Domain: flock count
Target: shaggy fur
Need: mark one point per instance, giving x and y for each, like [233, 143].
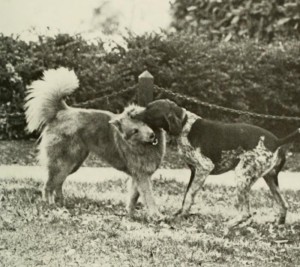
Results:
[211, 147]
[70, 134]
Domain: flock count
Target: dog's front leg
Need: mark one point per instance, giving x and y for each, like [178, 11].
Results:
[195, 187]
[201, 167]
[145, 189]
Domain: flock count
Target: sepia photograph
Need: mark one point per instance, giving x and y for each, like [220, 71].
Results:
[149, 133]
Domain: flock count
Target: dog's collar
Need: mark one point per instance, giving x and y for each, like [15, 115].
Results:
[188, 121]
[185, 119]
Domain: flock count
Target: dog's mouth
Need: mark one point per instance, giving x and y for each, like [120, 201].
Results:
[155, 141]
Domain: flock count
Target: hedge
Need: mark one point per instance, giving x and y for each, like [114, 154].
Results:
[246, 75]
[265, 20]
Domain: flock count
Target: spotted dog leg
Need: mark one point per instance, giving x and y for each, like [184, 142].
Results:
[245, 178]
[253, 164]
[201, 167]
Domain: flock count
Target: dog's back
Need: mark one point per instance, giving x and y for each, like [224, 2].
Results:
[227, 136]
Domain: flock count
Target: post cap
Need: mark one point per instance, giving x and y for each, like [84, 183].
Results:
[146, 74]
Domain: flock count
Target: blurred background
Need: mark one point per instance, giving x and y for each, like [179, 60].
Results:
[92, 18]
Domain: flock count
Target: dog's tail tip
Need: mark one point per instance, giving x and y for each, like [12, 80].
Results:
[58, 83]
[45, 96]
[290, 138]
[61, 79]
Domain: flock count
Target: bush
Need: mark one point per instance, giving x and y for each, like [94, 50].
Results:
[237, 19]
[246, 75]
[21, 63]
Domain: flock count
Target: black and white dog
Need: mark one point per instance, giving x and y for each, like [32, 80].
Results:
[212, 147]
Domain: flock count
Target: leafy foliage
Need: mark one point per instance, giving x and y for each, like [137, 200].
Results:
[21, 63]
[246, 75]
[236, 19]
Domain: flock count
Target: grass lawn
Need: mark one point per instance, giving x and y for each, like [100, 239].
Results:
[93, 229]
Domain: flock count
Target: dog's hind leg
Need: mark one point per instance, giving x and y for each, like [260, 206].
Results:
[253, 164]
[57, 173]
[133, 197]
[63, 159]
[52, 188]
[272, 181]
[247, 173]
[244, 184]
[67, 169]
[49, 186]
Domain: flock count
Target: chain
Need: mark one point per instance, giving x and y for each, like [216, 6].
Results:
[82, 104]
[103, 98]
[99, 93]
[224, 109]
[182, 97]
[12, 115]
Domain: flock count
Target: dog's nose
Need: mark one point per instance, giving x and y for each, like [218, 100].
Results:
[152, 136]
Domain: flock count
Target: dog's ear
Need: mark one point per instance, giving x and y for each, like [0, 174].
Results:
[139, 116]
[115, 122]
[174, 123]
[175, 119]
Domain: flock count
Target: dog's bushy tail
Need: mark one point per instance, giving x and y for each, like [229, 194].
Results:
[45, 96]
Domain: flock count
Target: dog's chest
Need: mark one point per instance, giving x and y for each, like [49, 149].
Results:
[194, 156]
[225, 160]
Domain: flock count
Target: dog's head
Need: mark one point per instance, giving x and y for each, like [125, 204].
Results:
[132, 130]
[164, 114]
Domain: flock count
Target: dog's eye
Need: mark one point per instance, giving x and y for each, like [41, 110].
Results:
[134, 131]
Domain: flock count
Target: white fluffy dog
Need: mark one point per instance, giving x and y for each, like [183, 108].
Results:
[70, 134]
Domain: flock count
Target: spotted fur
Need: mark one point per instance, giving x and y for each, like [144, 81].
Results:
[213, 147]
[249, 166]
[229, 159]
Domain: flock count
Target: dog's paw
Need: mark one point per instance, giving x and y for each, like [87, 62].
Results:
[181, 214]
[178, 213]
[281, 220]
[157, 216]
[238, 220]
